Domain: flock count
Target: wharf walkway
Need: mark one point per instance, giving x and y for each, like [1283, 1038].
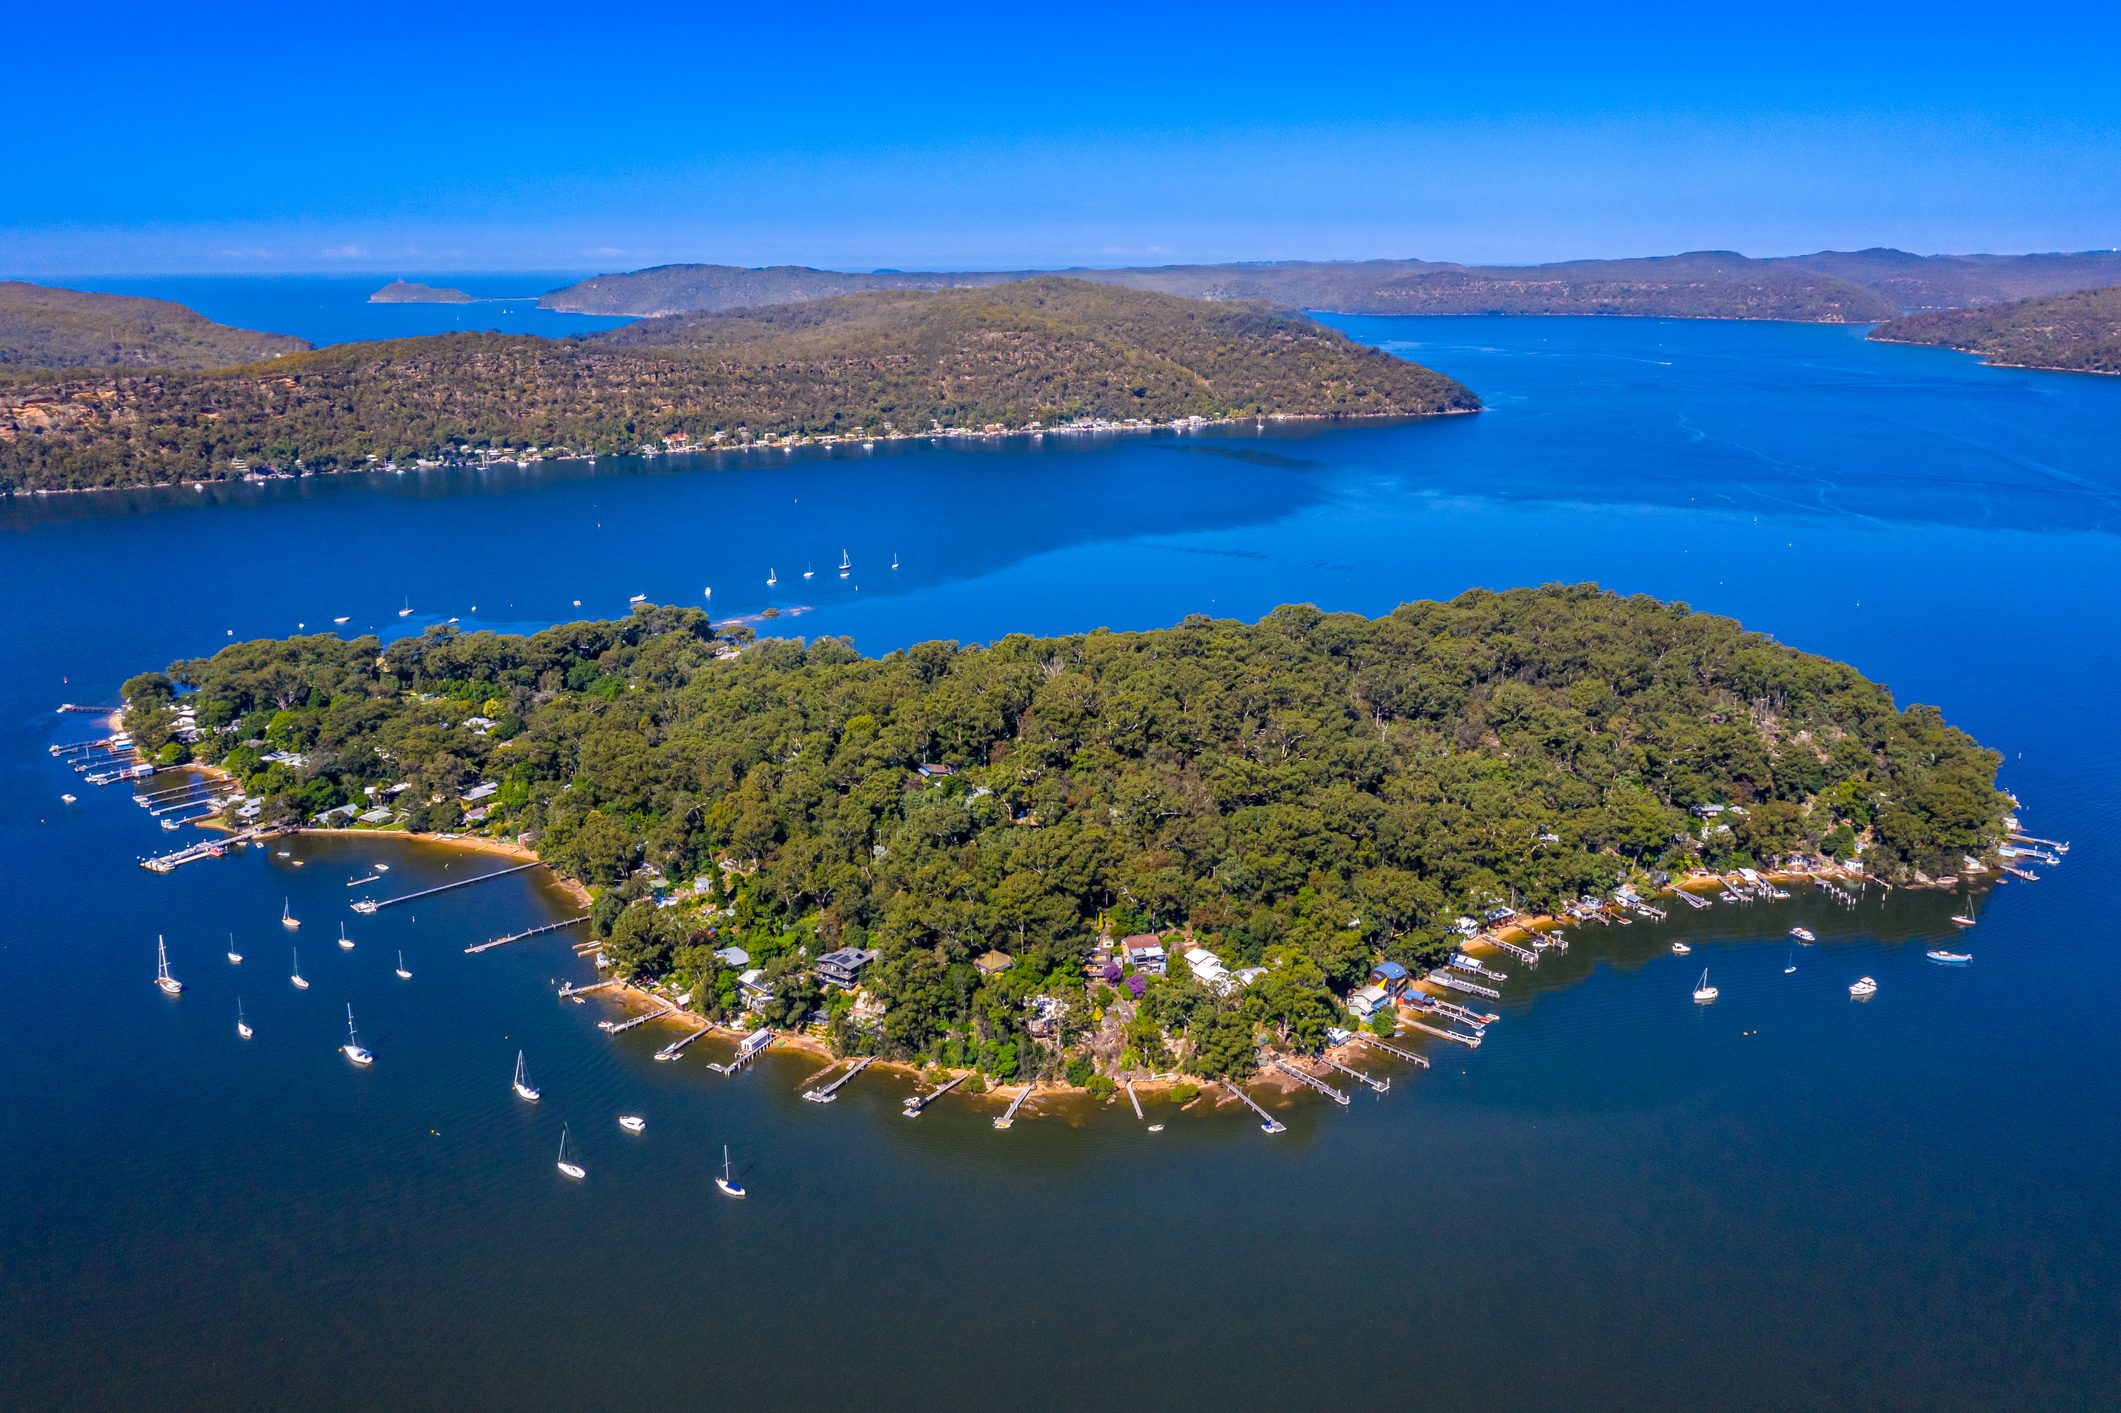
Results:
[370, 905]
[1307, 1077]
[621, 1027]
[1379, 1085]
[1523, 954]
[917, 1102]
[1267, 1121]
[1390, 1049]
[1009, 1115]
[1133, 1099]
[1456, 983]
[1471, 1042]
[831, 1091]
[670, 1051]
[570, 989]
[519, 936]
[750, 1048]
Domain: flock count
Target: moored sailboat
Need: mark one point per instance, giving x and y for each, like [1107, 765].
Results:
[235, 958]
[296, 975]
[727, 1181]
[567, 1165]
[242, 1025]
[1703, 992]
[524, 1088]
[353, 1049]
[345, 942]
[169, 984]
[288, 919]
[403, 975]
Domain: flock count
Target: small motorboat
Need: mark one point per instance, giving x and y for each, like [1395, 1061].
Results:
[1703, 992]
[341, 618]
[1862, 987]
[403, 975]
[1803, 934]
[296, 975]
[633, 1123]
[66, 799]
[1939, 954]
[380, 868]
[169, 984]
[638, 598]
[1680, 949]
[727, 1181]
[1156, 1128]
[525, 1090]
[242, 1025]
[353, 1049]
[568, 1166]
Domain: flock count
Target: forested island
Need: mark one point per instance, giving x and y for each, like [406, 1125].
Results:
[413, 292]
[1827, 287]
[1035, 354]
[2073, 333]
[45, 327]
[968, 832]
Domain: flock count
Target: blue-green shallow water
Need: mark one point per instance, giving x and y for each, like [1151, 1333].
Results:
[1783, 1200]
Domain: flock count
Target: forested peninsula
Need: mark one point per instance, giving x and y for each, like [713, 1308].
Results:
[1035, 354]
[413, 292]
[2072, 333]
[975, 827]
[1830, 286]
[45, 327]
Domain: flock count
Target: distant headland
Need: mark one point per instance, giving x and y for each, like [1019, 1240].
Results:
[413, 292]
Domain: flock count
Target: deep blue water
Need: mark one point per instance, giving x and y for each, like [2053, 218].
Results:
[1784, 1200]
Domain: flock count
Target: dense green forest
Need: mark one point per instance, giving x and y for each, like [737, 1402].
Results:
[413, 292]
[1042, 351]
[44, 327]
[1308, 793]
[2078, 333]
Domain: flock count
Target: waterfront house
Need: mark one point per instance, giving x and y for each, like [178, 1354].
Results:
[1245, 976]
[1144, 951]
[1367, 1002]
[1391, 976]
[1208, 969]
[753, 988]
[843, 968]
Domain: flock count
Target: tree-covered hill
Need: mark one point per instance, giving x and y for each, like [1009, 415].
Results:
[1041, 351]
[45, 327]
[2079, 333]
[1309, 793]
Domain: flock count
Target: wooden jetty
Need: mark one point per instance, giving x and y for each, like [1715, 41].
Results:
[570, 989]
[670, 1051]
[2060, 846]
[1390, 1049]
[1459, 983]
[1009, 1115]
[1471, 1017]
[750, 1048]
[370, 905]
[1306, 1077]
[1471, 1042]
[1379, 1085]
[1266, 1120]
[917, 1102]
[1133, 1099]
[1523, 954]
[831, 1091]
[519, 936]
[2025, 873]
[1689, 899]
[1465, 963]
[621, 1027]
[91, 710]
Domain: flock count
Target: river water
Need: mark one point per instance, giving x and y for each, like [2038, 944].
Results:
[1782, 1200]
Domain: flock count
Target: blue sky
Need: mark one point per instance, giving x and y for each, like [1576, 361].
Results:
[397, 138]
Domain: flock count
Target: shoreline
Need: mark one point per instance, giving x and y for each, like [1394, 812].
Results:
[1988, 361]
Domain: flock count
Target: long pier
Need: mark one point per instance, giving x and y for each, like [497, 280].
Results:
[1457, 1012]
[1523, 954]
[1135, 1101]
[91, 710]
[1266, 1120]
[1009, 1115]
[917, 1102]
[570, 989]
[1308, 1078]
[670, 1051]
[519, 936]
[1471, 1042]
[1390, 1049]
[831, 1091]
[370, 905]
[621, 1027]
[1379, 1085]
[1689, 899]
[747, 1050]
[1456, 983]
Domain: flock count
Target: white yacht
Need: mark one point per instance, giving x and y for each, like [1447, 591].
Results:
[1703, 992]
[846, 565]
[807, 572]
[235, 958]
[632, 1123]
[1965, 919]
[638, 598]
[288, 919]
[727, 1181]
[1941, 954]
[524, 1088]
[345, 942]
[296, 975]
[1803, 934]
[242, 1025]
[403, 975]
[572, 1169]
[1680, 949]
[771, 577]
[406, 612]
[341, 618]
[353, 1048]
[1863, 986]
[169, 984]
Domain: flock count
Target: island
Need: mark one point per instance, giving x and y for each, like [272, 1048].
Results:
[1828, 287]
[45, 327]
[1037, 355]
[2072, 333]
[413, 292]
[1102, 856]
